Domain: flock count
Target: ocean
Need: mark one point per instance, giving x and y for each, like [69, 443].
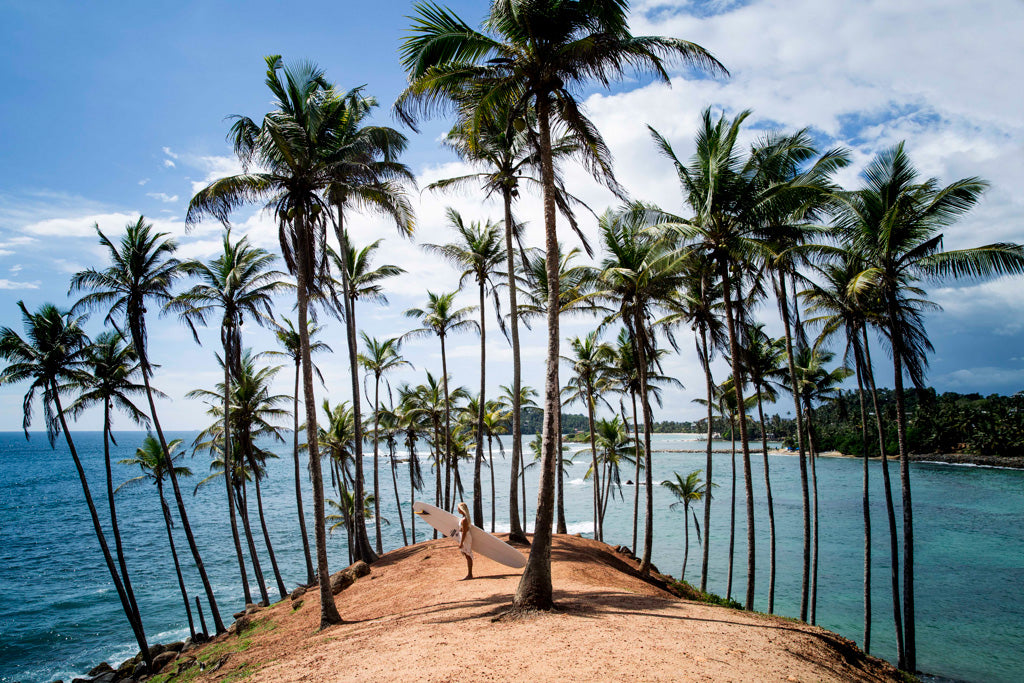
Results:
[62, 615]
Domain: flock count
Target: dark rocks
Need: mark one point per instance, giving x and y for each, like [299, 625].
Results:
[298, 593]
[359, 569]
[163, 659]
[100, 668]
[155, 650]
[346, 577]
[241, 623]
[177, 646]
[140, 670]
[105, 677]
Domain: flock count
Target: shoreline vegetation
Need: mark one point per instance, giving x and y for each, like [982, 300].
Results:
[763, 229]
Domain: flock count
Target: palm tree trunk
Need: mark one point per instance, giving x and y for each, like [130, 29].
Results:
[298, 483]
[909, 638]
[398, 501]
[118, 547]
[732, 506]
[218, 624]
[559, 483]
[894, 564]
[598, 535]
[478, 498]
[437, 467]
[641, 344]
[686, 541]
[229, 475]
[748, 480]
[771, 506]
[781, 293]
[865, 501]
[515, 528]
[709, 385]
[522, 477]
[376, 458]
[447, 428]
[636, 480]
[257, 569]
[534, 590]
[282, 591]
[136, 624]
[174, 554]
[328, 610]
[490, 460]
[813, 456]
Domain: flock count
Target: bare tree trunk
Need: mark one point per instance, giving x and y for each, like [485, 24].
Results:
[243, 510]
[732, 506]
[706, 362]
[515, 528]
[478, 497]
[560, 482]
[640, 347]
[450, 463]
[229, 472]
[298, 482]
[865, 500]
[598, 532]
[534, 590]
[174, 554]
[812, 454]
[328, 610]
[636, 480]
[437, 467]
[398, 502]
[376, 461]
[771, 506]
[490, 459]
[281, 589]
[136, 624]
[781, 293]
[686, 540]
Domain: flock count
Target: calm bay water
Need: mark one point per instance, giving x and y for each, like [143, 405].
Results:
[62, 615]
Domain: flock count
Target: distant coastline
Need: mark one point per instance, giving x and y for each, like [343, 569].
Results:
[962, 459]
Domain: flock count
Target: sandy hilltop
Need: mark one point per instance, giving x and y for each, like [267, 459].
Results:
[411, 619]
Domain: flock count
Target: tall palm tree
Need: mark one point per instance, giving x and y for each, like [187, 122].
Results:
[510, 160]
[411, 419]
[380, 358]
[291, 348]
[109, 380]
[151, 460]
[534, 55]
[51, 357]
[639, 273]
[237, 285]
[525, 400]
[478, 251]
[687, 491]
[142, 268]
[292, 149]
[589, 361]
[364, 175]
[895, 223]
[616, 450]
[440, 318]
[496, 423]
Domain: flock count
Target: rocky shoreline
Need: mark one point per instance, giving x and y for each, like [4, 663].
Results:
[963, 459]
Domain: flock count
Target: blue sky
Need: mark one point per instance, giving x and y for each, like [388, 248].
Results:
[112, 109]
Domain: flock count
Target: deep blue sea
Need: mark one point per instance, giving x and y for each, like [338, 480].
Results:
[62, 615]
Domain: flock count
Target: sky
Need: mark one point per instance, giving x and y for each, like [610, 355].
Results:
[112, 110]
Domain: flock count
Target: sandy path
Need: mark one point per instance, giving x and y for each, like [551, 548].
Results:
[412, 620]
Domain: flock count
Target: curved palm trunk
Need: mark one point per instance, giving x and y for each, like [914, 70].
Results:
[909, 638]
[478, 497]
[243, 511]
[894, 564]
[376, 458]
[859, 362]
[748, 480]
[490, 459]
[282, 591]
[229, 471]
[598, 532]
[515, 528]
[174, 554]
[686, 540]
[218, 624]
[771, 506]
[522, 477]
[636, 480]
[298, 483]
[118, 547]
[732, 506]
[709, 385]
[328, 610]
[641, 345]
[559, 482]
[534, 590]
[361, 544]
[437, 466]
[812, 454]
[136, 624]
[781, 293]
[398, 501]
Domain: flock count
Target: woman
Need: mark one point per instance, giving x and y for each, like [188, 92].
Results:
[465, 538]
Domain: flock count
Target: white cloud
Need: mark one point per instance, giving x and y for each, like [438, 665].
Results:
[143, 181]
[163, 196]
[168, 152]
[11, 284]
[168, 163]
[15, 269]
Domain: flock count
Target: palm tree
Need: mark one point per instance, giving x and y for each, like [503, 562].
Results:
[639, 273]
[534, 56]
[410, 419]
[895, 222]
[510, 160]
[616, 449]
[686, 491]
[110, 366]
[380, 358]
[525, 400]
[364, 174]
[440, 317]
[292, 148]
[150, 459]
[496, 422]
[288, 338]
[479, 253]
[589, 362]
[142, 268]
[51, 357]
[238, 284]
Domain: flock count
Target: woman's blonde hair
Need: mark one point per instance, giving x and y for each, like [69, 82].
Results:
[464, 509]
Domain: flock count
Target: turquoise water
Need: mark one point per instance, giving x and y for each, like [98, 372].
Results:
[62, 615]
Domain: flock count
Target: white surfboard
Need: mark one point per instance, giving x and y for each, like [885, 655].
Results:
[483, 542]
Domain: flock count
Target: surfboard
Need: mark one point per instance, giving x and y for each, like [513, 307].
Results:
[483, 543]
